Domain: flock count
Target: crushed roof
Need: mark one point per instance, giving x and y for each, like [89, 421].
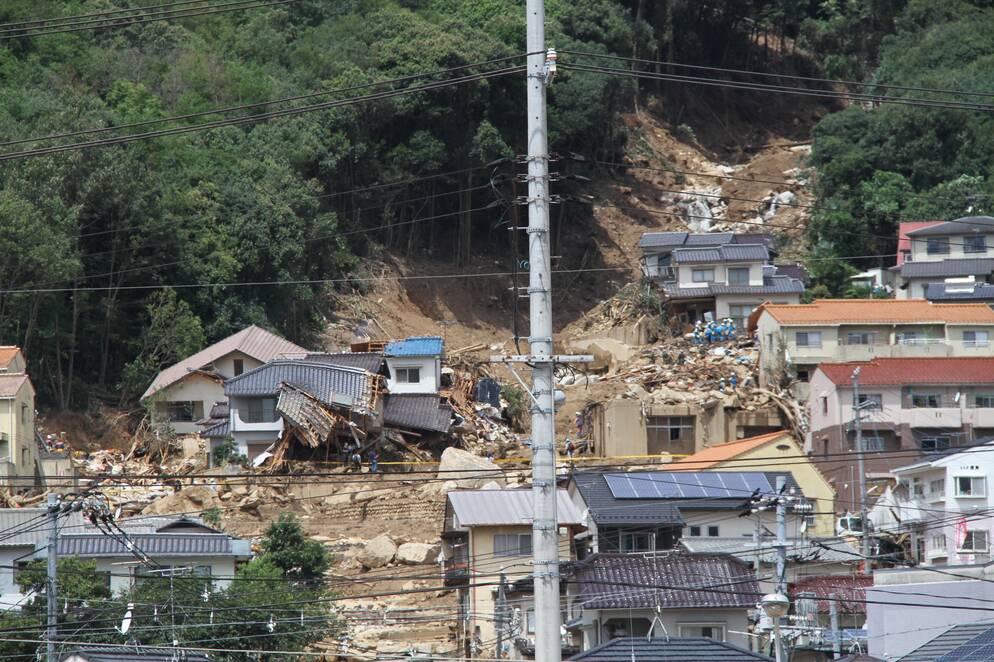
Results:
[835, 312]
[668, 649]
[949, 641]
[10, 384]
[964, 225]
[331, 384]
[253, 341]
[421, 412]
[970, 266]
[671, 580]
[905, 371]
[715, 455]
[506, 507]
[944, 292]
[368, 361]
[904, 241]
[850, 591]
[415, 346]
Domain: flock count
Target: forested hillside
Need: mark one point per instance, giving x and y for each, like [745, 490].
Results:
[119, 258]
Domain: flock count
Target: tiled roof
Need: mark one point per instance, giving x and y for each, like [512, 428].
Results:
[715, 455]
[604, 508]
[953, 370]
[726, 253]
[421, 412]
[415, 346]
[971, 266]
[505, 507]
[252, 341]
[833, 312]
[943, 292]
[850, 591]
[11, 384]
[798, 550]
[796, 271]
[668, 649]
[19, 522]
[964, 225]
[368, 361]
[903, 241]
[330, 384]
[949, 641]
[774, 285]
[7, 354]
[671, 580]
[659, 239]
[218, 430]
[132, 654]
[162, 544]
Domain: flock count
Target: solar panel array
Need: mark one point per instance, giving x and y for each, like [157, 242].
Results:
[978, 649]
[688, 484]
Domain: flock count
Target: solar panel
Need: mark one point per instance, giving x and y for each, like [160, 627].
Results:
[687, 484]
[978, 648]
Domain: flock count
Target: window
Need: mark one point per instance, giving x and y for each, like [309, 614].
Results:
[712, 532]
[670, 434]
[872, 442]
[875, 400]
[975, 540]
[975, 243]
[714, 631]
[937, 488]
[695, 532]
[926, 400]
[983, 400]
[910, 338]
[636, 542]
[975, 338]
[971, 486]
[408, 375]
[184, 411]
[24, 414]
[808, 338]
[861, 338]
[937, 246]
[935, 443]
[259, 410]
[824, 405]
[917, 487]
[937, 542]
[740, 315]
[738, 275]
[702, 275]
[803, 375]
[530, 620]
[513, 544]
[239, 366]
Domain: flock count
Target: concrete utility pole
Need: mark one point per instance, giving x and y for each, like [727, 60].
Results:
[545, 526]
[500, 615]
[861, 468]
[50, 589]
[781, 554]
[833, 611]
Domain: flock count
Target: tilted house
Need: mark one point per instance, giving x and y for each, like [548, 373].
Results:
[184, 393]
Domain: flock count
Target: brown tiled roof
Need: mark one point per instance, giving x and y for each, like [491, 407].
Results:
[252, 341]
[904, 241]
[895, 372]
[11, 384]
[710, 457]
[832, 312]
[7, 354]
[850, 591]
[676, 580]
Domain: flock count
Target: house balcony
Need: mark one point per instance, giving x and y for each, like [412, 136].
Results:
[244, 421]
[455, 572]
[941, 417]
[979, 417]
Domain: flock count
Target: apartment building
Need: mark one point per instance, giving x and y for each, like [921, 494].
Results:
[939, 252]
[722, 274]
[915, 405]
[794, 339]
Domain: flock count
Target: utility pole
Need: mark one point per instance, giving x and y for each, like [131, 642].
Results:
[50, 589]
[833, 611]
[861, 468]
[781, 554]
[500, 615]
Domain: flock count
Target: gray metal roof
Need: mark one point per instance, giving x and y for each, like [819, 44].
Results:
[973, 266]
[421, 412]
[132, 654]
[721, 254]
[26, 527]
[672, 580]
[152, 544]
[668, 649]
[604, 508]
[948, 641]
[798, 550]
[331, 384]
[775, 285]
[942, 292]
[964, 225]
[675, 239]
[505, 507]
[368, 361]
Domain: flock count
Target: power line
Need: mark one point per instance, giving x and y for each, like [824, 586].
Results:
[4, 27]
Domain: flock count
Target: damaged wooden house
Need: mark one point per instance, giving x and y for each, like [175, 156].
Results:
[315, 405]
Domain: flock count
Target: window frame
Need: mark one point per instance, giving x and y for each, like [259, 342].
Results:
[660, 431]
[973, 549]
[695, 272]
[632, 536]
[738, 271]
[713, 531]
[238, 366]
[929, 399]
[937, 246]
[683, 627]
[976, 342]
[257, 410]
[937, 493]
[876, 398]
[512, 552]
[967, 248]
[959, 494]
[406, 372]
[693, 529]
[808, 339]
[937, 542]
[870, 336]
[937, 442]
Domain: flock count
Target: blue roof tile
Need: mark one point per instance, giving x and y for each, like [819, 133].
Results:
[415, 346]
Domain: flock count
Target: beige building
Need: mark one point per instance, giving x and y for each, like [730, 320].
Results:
[184, 393]
[487, 533]
[794, 339]
[939, 257]
[18, 447]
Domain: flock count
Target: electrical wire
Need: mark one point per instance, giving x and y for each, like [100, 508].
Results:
[5, 27]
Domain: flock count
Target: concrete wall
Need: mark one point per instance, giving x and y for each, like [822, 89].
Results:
[10, 592]
[195, 387]
[430, 374]
[596, 631]
[20, 451]
[120, 581]
[685, 274]
[919, 249]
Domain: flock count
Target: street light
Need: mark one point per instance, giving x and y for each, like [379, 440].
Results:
[775, 605]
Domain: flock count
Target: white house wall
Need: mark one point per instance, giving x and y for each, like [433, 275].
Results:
[430, 374]
[192, 388]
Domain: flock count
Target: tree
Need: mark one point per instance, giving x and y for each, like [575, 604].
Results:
[287, 548]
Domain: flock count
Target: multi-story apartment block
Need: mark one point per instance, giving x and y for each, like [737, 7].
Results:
[937, 255]
[794, 339]
[724, 274]
[908, 407]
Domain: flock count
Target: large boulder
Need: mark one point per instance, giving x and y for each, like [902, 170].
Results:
[417, 553]
[377, 552]
[197, 498]
[467, 470]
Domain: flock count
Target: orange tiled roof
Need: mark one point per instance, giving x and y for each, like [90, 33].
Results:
[7, 354]
[710, 457]
[879, 311]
